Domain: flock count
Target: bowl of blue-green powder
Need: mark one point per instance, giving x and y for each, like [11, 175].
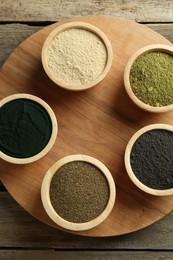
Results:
[28, 128]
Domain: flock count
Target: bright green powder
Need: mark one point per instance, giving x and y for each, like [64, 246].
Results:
[151, 78]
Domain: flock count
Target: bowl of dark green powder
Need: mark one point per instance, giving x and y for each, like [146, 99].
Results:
[28, 128]
[149, 159]
[148, 78]
[78, 192]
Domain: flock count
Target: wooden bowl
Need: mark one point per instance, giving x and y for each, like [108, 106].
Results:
[66, 27]
[45, 193]
[149, 48]
[53, 134]
[135, 180]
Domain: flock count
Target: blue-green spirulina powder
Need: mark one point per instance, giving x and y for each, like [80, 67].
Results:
[25, 128]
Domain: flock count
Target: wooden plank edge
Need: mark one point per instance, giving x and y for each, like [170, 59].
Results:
[77, 255]
[32, 233]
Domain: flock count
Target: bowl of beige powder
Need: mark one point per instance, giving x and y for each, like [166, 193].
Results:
[77, 56]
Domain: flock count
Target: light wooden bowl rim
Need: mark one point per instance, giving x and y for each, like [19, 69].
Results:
[53, 134]
[129, 170]
[149, 48]
[45, 196]
[85, 26]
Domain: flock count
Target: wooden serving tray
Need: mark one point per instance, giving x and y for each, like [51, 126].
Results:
[98, 122]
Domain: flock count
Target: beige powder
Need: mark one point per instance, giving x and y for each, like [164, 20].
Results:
[77, 56]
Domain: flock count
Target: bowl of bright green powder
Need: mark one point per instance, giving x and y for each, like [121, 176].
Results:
[148, 78]
[28, 128]
[78, 192]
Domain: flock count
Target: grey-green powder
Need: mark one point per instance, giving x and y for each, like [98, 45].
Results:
[79, 192]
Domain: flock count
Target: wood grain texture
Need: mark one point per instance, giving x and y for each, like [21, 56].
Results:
[2, 187]
[20, 230]
[106, 126]
[11, 35]
[164, 29]
[87, 255]
[53, 10]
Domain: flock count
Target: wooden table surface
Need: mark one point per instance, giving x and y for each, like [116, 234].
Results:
[22, 236]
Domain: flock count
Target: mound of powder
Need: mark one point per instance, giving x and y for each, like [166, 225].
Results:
[77, 56]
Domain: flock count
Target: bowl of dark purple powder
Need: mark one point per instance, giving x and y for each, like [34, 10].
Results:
[149, 159]
[28, 128]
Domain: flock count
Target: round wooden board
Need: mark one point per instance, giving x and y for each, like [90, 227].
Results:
[98, 122]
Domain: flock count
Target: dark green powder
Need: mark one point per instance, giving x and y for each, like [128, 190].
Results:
[79, 192]
[25, 128]
[151, 78]
[152, 159]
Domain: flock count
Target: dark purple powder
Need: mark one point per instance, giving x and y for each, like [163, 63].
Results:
[152, 159]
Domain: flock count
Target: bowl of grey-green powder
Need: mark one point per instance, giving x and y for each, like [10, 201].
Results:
[78, 192]
[148, 78]
[77, 55]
